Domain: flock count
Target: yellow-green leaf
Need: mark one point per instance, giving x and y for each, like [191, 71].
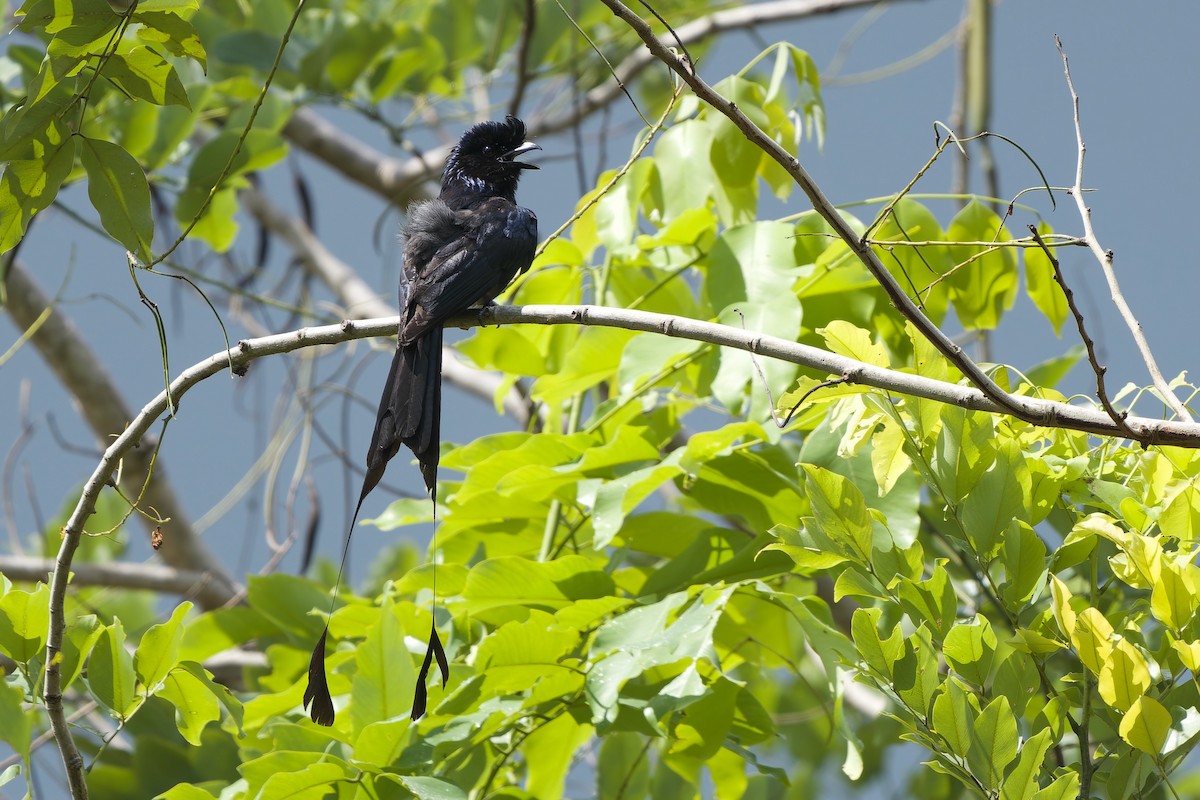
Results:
[1092, 639]
[1124, 677]
[1146, 725]
[852, 341]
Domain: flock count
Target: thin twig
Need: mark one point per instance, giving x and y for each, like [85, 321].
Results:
[1105, 257]
[1101, 392]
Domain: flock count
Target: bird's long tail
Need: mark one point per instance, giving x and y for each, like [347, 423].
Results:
[410, 413]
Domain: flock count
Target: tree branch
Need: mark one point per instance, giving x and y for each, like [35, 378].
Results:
[1055, 414]
[1105, 257]
[122, 575]
[1093, 359]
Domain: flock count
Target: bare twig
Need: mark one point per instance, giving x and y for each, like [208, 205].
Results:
[1105, 257]
[1101, 392]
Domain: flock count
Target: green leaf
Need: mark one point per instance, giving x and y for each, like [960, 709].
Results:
[1043, 289]
[110, 671]
[432, 788]
[16, 725]
[118, 190]
[965, 449]
[985, 288]
[1092, 638]
[1024, 555]
[383, 686]
[380, 744]
[313, 782]
[29, 130]
[1050, 373]
[1064, 787]
[930, 601]
[24, 620]
[616, 498]
[225, 697]
[195, 705]
[881, 654]
[171, 31]
[954, 718]
[288, 601]
[158, 652]
[185, 791]
[29, 186]
[616, 213]
[1021, 783]
[623, 768]
[993, 742]
[82, 635]
[840, 511]
[1146, 725]
[969, 649]
[1124, 677]
[10, 774]
[916, 675]
[672, 630]
[1181, 518]
[1000, 497]
[223, 628]
[549, 751]
[146, 75]
[755, 262]
[79, 27]
[595, 357]
[681, 156]
[259, 150]
[520, 653]
[512, 581]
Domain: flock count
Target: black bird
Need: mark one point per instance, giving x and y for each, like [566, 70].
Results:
[461, 250]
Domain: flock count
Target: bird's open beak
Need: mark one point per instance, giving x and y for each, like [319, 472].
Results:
[527, 147]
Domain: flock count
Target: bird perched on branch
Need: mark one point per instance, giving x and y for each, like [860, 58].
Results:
[461, 250]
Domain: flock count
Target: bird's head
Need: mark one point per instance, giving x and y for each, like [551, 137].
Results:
[484, 162]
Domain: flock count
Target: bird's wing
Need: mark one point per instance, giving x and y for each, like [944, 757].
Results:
[495, 242]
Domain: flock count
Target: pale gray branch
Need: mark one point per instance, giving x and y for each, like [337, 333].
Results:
[118, 574]
[1105, 257]
[1043, 412]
